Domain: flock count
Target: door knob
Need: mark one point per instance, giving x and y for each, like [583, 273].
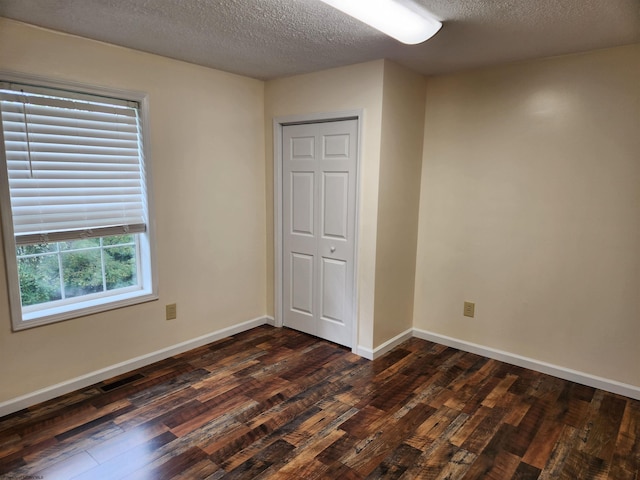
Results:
[333, 249]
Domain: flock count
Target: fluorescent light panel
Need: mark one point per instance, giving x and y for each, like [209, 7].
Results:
[407, 25]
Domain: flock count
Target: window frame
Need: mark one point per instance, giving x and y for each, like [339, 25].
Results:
[21, 320]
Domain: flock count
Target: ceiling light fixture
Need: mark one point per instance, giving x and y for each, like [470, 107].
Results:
[403, 20]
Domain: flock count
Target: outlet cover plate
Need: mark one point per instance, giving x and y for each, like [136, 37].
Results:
[469, 309]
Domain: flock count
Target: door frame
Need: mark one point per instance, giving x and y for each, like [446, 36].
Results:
[278, 124]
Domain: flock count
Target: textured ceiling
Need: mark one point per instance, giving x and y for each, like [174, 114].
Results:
[274, 38]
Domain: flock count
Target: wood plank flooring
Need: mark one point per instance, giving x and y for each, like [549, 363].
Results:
[275, 403]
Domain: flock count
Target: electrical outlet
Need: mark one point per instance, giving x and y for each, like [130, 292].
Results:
[172, 311]
[469, 309]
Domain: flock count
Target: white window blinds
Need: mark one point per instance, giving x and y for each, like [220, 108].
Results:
[74, 163]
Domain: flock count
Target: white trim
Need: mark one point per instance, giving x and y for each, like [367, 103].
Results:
[380, 350]
[6, 217]
[277, 219]
[148, 246]
[15, 404]
[47, 393]
[583, 378]
[102, 303]
[71, 85]
[278, 123]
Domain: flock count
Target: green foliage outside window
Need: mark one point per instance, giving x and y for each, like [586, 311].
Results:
[120, 267]
[54, 271]
[39, 279]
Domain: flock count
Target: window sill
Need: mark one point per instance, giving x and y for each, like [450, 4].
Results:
[66, 312]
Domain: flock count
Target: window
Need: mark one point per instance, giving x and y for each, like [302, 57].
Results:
[75, 209]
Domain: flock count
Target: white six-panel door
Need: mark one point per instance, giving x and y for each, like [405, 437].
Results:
[318, 201]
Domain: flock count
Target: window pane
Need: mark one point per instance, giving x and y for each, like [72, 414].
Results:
[120, 267]
[84, 243]
[118, 240]
[82, 272]
[39, 279]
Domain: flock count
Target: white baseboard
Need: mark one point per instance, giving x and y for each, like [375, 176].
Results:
[44, 394]
[24, 401]
[372, 354]
[612, 386]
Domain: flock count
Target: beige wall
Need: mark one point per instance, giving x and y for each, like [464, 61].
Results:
[207, 159]
[347, 88]
[530, 207]
[398, 200]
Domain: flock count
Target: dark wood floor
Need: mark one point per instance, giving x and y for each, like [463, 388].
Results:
[275, 403]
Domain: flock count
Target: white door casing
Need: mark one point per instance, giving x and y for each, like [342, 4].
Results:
[319, 179]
